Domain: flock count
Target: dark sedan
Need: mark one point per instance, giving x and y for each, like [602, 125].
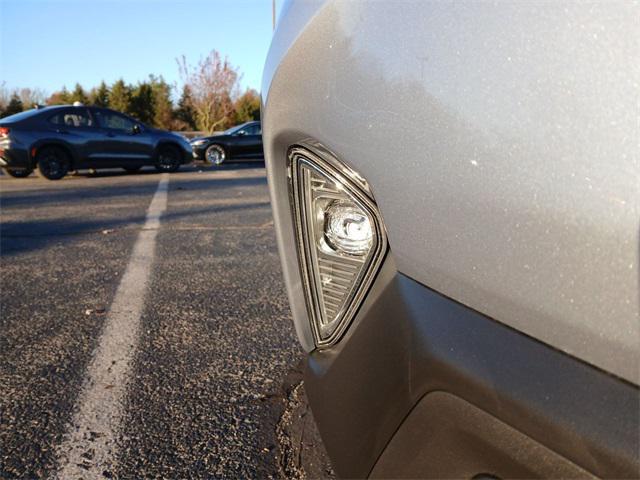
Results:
[58, 139]
[239, 143]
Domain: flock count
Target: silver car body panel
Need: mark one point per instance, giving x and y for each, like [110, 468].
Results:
[501, 142]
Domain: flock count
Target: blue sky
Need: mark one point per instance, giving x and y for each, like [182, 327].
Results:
[51, 43]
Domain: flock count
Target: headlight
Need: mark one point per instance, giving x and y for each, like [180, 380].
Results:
[341, 240]
[197, 143]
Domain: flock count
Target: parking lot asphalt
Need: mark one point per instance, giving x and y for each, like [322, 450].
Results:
[214, 360]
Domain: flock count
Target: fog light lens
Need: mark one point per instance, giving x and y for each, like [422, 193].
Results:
[347, 228]
[341, 240]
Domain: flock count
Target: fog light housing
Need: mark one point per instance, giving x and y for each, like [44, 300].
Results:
[340, 237]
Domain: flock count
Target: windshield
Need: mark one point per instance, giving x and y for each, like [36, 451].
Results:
[232, 130]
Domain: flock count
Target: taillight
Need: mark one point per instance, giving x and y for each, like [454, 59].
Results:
[4, 131]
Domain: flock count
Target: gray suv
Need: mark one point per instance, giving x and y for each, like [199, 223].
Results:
[456, 196]
[58, 139]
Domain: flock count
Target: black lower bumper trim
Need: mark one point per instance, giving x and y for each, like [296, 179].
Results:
[408, 341]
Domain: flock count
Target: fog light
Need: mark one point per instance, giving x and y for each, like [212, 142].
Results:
[347, 228]
[341, 240]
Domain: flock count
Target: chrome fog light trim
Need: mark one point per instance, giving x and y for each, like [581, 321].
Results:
[340, 238]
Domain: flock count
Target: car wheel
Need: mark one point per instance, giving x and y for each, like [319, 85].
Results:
[19, 172]
[168, 160]
[53, 163]
[132, 169]
[215, 154]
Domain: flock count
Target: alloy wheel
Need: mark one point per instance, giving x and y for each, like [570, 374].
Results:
[215, 154]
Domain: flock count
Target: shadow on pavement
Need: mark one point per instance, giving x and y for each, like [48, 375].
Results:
[25, 235]
[191, 167]
[42, 197]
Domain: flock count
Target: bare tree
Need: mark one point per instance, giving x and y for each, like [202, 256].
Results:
[31, 97]
[213, 86]
[4, 95]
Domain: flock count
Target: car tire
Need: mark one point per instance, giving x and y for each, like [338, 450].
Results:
[168, 159]
[132, 169]
[53, 163]
[215, 154]
[19, 172]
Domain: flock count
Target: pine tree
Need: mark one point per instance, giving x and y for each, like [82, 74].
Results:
[78, 95]
[185, 113]
[142, 106]
[65, 96]
[163, 106]
[14, 106]
[59, 98]
[100, 96]
[120, 97]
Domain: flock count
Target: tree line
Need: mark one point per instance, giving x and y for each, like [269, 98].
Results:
[209, 98]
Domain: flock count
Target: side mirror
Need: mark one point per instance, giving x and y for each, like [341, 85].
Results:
[136, 129]
[241, 133]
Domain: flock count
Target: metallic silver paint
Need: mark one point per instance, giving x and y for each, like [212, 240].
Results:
[501, 141]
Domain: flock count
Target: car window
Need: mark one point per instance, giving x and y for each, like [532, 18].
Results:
[232, 130]
[253, 130]
[114, 120]
[72, 118]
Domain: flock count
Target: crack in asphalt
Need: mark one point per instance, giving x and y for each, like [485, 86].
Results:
[287, 466]
[267, 225]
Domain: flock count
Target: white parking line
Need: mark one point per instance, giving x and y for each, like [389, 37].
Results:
[89, 447]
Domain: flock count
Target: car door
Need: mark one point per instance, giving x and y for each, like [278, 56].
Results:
[248, 142]
[255, 141]
[125, 142]
[76, 128]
